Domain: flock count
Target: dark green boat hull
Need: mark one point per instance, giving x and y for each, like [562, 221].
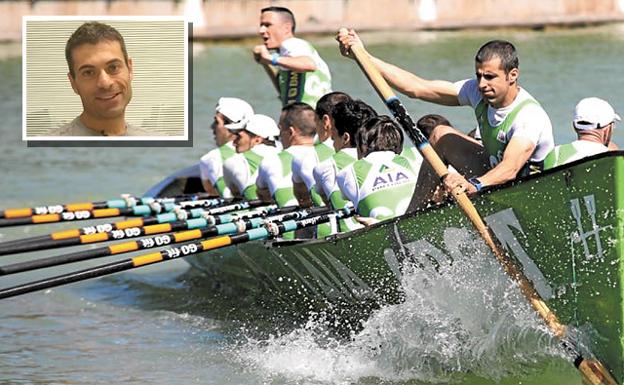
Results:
[565, 227]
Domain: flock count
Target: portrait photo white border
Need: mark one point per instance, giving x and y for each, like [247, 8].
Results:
[104, 19]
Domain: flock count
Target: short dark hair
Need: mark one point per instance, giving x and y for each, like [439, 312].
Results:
[428, 122]
[284, 12]
[92, 32]
[350, 115]
[300, 116]
[502, 49]
[327, 103]
[380, 133]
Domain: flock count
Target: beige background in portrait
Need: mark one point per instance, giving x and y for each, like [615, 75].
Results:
[157, 52]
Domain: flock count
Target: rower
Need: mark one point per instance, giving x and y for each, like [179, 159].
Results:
[297, 127]
[324, 115]
[302, 74]
[296, 131]
[230, 113]
[380, 184]
[594, 120]
[348, 117]
[515, 130]
[254, 142]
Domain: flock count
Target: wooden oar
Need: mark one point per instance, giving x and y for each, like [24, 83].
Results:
[227, 227]
[137, 227]
[275, 229]
[126, 201]
[591, 369]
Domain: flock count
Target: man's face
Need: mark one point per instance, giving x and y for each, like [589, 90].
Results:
[221, 134]
[245, 141]
[494, 84]
[273, 29]
[102, 79]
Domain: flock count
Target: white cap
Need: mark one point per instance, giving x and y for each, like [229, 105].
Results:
[262, 125]
[236, 110]
[591, 113]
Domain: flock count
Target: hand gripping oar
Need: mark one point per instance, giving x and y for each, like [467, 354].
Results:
[271, 230]
[126, 201]
[238, 224]
[120, 230]
[591, 369]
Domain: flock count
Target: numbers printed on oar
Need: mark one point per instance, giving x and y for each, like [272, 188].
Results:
[260, 233]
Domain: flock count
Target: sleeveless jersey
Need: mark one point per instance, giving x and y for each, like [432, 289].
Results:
[211, 167]
[241, 172]
[523, 118]
[380, 185]
[306, 87]
[570, 152]
[325, 182]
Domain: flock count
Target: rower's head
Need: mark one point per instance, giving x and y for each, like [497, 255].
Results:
[230, 114]
[427, 123]
[325, 112]
[259, 129]
[594, 120]
[349, 116]
[497, 72]
[297, 124]
[100, 71]
[379, 133]
[276, 25]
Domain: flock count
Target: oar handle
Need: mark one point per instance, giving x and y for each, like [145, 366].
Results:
[591, 369]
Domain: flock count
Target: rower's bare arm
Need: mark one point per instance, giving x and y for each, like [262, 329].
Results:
[209, 188]
[297, 63]
[434, 91]
[264, 194]
[516, 155]
[302, 194]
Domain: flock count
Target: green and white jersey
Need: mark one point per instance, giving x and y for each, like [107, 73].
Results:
[303, 165]
[306, 87]
[380, 185]
[241, 174]
[325, 182]
[570, 152]
[275, 173]
[211, 167]
[414, 158]
[524, 118]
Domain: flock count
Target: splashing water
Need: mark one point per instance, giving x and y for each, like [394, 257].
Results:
[466, 317]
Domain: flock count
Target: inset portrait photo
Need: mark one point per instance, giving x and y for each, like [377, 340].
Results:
[114, 79]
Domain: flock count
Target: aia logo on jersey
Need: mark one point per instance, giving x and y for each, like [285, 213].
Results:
[389, 178]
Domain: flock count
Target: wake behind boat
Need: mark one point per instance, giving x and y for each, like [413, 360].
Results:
[565, 228]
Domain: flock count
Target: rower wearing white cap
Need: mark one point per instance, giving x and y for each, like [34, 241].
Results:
[255, 142]
[230, 113]
[594, 120]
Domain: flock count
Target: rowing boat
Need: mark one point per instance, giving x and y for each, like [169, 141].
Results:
[565, 227]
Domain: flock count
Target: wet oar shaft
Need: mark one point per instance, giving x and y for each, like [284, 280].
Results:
[592, 370]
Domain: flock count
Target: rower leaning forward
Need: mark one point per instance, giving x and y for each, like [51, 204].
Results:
[302, 75]
[514, 132]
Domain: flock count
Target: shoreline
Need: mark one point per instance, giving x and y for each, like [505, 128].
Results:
[223, 20]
